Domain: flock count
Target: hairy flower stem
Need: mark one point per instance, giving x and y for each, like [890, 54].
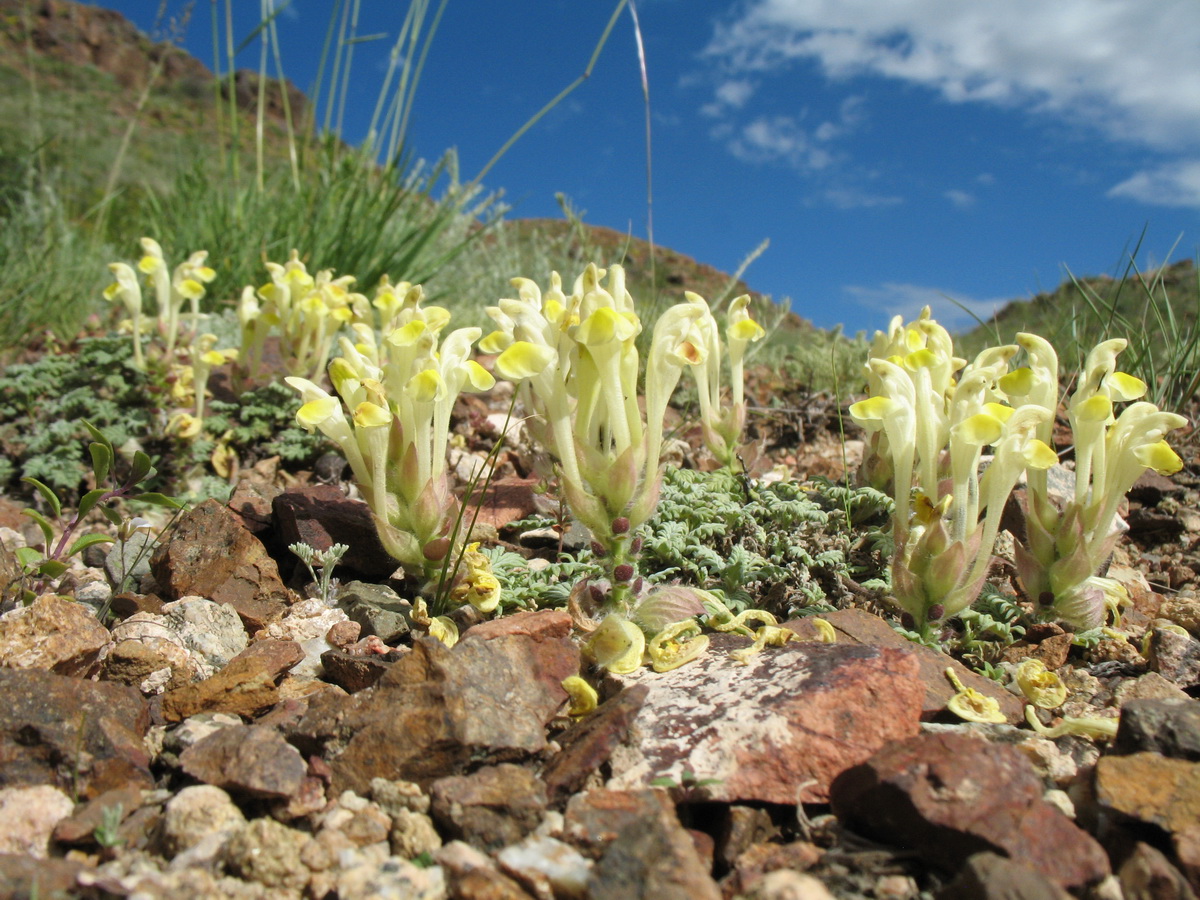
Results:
[621, 566]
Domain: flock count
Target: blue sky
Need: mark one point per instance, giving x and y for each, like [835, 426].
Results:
[894, 153]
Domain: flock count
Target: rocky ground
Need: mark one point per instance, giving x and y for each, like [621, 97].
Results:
[231, 736]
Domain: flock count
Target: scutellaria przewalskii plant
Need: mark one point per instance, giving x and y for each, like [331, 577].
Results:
[930, 415]
[575, 360]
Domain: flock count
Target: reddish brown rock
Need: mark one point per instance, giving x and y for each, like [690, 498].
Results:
[353, 672]
[860, 627]
[588, 744]
[23, 876]
[276, 656]
[1167, 726]
[133, 662]
[474, 876]
[128, 604]
[1151, 788]
[246, 759]
[320, 515]
[245, 687]
[251, 503]
[80, 827]
[762, 859]
[1146, 872]
[53, 633]
[937, 795]
[1175, 656]
[1186, 844]
[775, 731]
[489, 698]
[210, 554]
[506, 500]
[988, 876]
[490, 808]
[547, 633]
[651, 856]
[82, 736]
[594, 818]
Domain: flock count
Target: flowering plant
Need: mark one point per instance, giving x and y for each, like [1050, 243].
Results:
[576, 363]
[932, 429]
[1066, 544]
[927, 430]
[391, 417]
[171, 290]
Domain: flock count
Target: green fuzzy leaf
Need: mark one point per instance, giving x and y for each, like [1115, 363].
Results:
[52, 568]
[28, 557]
[157, 499]
[47, 494]
[43, 523]
[99, 436]
[89, 500]
[142, 468]
[101, 460]
[87, 541]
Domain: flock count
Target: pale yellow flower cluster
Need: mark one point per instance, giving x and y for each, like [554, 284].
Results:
[171, 290]
[1063, 548]
[390, 415]
[929, 417]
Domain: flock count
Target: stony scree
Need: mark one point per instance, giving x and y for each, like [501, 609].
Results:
[81, 736]
[52, 633]
[212, 555]
[935, 793]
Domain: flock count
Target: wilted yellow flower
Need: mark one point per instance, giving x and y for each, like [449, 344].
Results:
[583, 696]
[1091, 727]
[1039, 685]
[671, 647]
[971, 705]
[617, 645]
[765, 636]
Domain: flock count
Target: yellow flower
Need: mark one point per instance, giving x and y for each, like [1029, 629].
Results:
[1091, 727]
[1039, 685]
[127, 290]
[444, 630]
[765, 636]
[583, 696]
[669, 649]
[617, 645]
[972, 706]
[477, 585]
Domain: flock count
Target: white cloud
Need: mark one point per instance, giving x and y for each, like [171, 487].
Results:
[1173, 184]
[907, 300]
[778, 139]
[1125, 67]
[734, 93]
[844, 197]
[961, 199]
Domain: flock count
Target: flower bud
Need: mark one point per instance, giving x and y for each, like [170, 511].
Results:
[623, 573]
[598, 550]
[620, 525]
[936, 611]
[636, 545]
[436, 549]
[598, 594]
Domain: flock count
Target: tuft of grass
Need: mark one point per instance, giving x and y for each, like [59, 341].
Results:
[1156, 310]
